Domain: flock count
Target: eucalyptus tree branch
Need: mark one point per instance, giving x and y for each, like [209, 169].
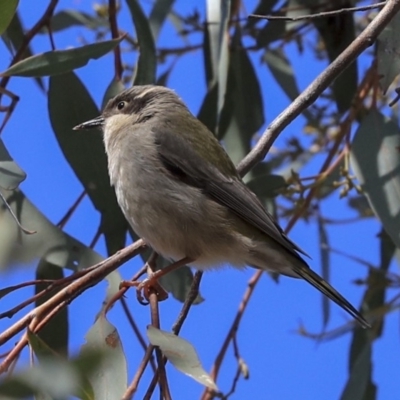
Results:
[39, 314]
[317, 87]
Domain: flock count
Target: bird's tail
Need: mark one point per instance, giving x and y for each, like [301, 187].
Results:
[314, 279]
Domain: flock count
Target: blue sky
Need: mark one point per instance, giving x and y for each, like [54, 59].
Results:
[283, 365]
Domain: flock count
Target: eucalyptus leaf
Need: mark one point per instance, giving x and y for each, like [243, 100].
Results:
[359, 376]
[115, 87]
[70, 104]
[338, 32]
[111, 379]
[325, 265]
[7, 11]
[158, 15]
[181, 354]
[267, 186]
[58, 62]
[55, 333]
[147, 61]
[375, 159]
[49, 242]
[11, 175]
[179, 283]
[14, 37]
[68, 18]
[283, 73]
[388, 47]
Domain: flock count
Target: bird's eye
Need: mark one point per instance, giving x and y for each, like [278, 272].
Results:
[121, 105]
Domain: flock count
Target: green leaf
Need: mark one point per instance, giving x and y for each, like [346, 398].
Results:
[40, 348]
[68, 18]
[147, 61]
[242, 114]
[7, 11]
[375, 158]
[178, 282]
[115, 87]
[216, 48]
[325, 264]
[11, 175]
[181, 354]
[158, 15]
[60, 61]
[282, 71]
[49, 242]
[338, 32]
[70, 104]
[111, 378]
[272, 31]
[14, 37]
[244, 90]
[266, 186]
[388, 46]
[55, 333]
[359, 376]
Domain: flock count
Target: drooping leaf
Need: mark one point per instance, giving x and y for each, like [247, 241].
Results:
[54, 377]
[55, 333]
[60, 61]
[178, 282]
[388, 47]
[243, 103]
[14, 37]
[359, 376]
[337, 32]
[375, 158]
[325, 266]
[49, 242]
[158, 14]
[181, 354]
[215, 48]
[111, 379]
[147, 61]
[11, 175]
[283, 73]
[70, 104]
[68, 18]
[7, 11]
[266, 186]
[115, 87]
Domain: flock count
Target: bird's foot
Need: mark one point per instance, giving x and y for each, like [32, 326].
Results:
[146, 287]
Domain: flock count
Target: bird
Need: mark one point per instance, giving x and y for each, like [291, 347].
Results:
[180, 191]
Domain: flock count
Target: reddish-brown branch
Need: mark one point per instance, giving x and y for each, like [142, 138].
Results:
[39, 315]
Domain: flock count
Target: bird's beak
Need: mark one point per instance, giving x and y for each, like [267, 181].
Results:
[93, 123]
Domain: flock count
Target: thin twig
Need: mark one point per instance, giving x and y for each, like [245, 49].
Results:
[208, 394]
[319, 15]
[161, 372]
[71, 210]
[131, 390]
[136, 330]
[193, 293]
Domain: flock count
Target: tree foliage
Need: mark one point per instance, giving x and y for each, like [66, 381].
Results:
[348, 138]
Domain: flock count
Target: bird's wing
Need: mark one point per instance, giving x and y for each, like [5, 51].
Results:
[230, 192]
